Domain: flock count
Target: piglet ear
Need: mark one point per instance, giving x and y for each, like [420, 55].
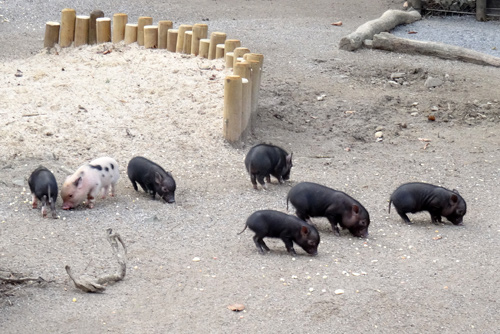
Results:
[454, 199]
[78, 182]
[304, 230]
[158, 178]
[355, 208]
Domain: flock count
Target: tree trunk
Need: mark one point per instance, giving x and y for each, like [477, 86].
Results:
[386, 22]
[386, 41]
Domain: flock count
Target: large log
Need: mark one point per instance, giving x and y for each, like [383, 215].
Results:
[386, 41]
[390, 19]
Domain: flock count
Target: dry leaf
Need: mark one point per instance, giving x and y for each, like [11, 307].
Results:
[412, 32]
[431, 118]
[236, 307]
[338, 23]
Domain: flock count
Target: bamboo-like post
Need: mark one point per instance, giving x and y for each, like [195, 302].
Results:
[229, 59]
[67, 32]
[219, 51]
[82, 30]
[172, 39]
[204, 47]
[481, 10]
[231, 44]
[243, 69]
[233, 92]
[188, 37]
[151, 37]
[215, 38]
[51, 34]
[256, 61]
[200, 31]
[94, 15]
[238, 53]
[119, 22]
[163, 27]
[103, 30]
[181, 35]
[130, 33]
[143, 21]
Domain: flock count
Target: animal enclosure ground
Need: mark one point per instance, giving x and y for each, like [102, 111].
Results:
[323, 104]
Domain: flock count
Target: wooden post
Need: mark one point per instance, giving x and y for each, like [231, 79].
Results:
[229, 59]
[200, 31]
[481, 10]
[51, 34]
[67, 32]
[119, 22]
[204, 47]
[143, 21]
[231, 44]
[219, 51]
[163, 27]
[215, 38]
[244, 71]
[130, 33]
[172, 39]
[103, 30]
[180, 36]
[238, 53]
[151, 37]
[92, 25]
[233, 92]
[188, 37]
[256, 61]
[82, 30]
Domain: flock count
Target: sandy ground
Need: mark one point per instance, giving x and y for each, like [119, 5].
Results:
[323, 104]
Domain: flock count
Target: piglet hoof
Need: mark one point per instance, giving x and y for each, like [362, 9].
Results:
[90, 205]
[34, 206]
[255, 187]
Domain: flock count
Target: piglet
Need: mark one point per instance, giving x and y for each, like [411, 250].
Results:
[89, 181]
[290, 229]
[152, 178]
[264, 160]
[43, 187]
[438, 201]
[315, 200]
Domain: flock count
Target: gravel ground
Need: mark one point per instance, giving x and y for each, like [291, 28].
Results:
[411, 279]
[464, 31]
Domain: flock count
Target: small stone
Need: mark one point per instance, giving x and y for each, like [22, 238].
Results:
[434, 108]
[379, 134]
[433, 82]
[339, 291]
[414, 113]
[397, 75]
[18, 182]
[379, 128]
[393, 83]
[196, 259]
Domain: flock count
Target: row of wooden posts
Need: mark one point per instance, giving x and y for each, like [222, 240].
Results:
[241, 89]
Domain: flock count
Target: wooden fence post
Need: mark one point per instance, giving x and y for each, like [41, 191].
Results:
[92, 25]
[51, 34]
[103, 29]
[151, 36]
[163, 27]
[200, 31]
[119, 22]
[143, 21]
[67, 32]
[82, 30]
[215, 38]
[130, 33]
[181, 36]
[231, 127]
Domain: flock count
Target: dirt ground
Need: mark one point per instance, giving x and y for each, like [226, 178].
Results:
[186, 263]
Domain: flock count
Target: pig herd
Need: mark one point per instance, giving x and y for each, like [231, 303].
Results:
[96, 178]
[341, 210]
[100, 176]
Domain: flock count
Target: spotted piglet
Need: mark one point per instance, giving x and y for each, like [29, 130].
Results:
[89, 181]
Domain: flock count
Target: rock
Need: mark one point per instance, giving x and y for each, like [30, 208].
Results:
[434, 108]
[379, 134]
[393, 83]
[379, 128]
[414, 113]
[433, 82]
[397, 75]
[18, 182]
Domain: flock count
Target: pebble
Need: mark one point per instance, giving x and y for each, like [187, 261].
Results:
[339, 291]
[433, 82]
[196, 259]
[379, 134]
[414, 113]
[397, 75]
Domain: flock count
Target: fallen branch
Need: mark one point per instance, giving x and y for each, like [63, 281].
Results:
[389, 42]
[98, 284]
[389, 20]
[19, 280]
